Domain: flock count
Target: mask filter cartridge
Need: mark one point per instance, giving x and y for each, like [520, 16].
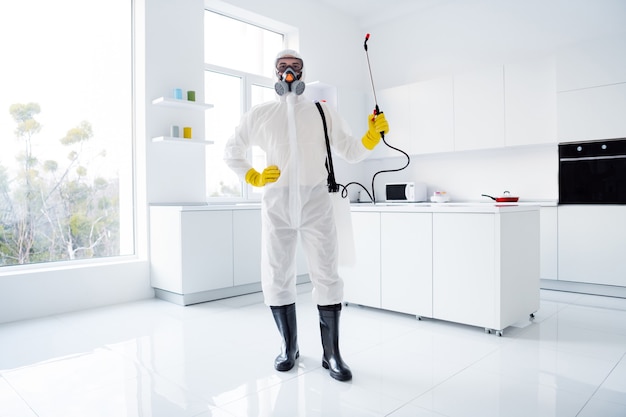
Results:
[289, 82]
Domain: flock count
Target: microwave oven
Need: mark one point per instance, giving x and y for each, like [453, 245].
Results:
[405, 192]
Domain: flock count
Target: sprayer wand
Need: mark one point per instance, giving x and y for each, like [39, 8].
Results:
[376, 109]
[367, 38]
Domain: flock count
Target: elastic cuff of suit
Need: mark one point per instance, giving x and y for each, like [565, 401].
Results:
[282, 307]
[332, 307]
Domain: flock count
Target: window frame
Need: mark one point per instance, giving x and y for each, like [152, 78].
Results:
[247, 81]
[128, 216]
[290, 41]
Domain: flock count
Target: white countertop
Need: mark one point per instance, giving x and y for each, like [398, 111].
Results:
[206, 207]
[451, 207]
[470, 207]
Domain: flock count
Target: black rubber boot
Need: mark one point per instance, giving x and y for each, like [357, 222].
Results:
[285, 318]
[329, 327]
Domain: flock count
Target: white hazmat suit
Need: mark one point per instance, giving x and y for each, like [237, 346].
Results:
[291, 133]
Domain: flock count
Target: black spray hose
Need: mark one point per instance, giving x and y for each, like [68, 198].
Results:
[372, 196]
[382, 134]
[408, 161]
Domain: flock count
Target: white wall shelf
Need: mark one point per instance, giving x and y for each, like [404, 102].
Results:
[171, 139]
[173, 102]
[181, 104]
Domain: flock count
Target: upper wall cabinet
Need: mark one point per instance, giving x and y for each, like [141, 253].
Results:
[592, 113]
[595, 63]
[591, 84]
[479, 109]
[421, 117]
[432, 121]
[530, 102]
[578, 94]
[395, 104]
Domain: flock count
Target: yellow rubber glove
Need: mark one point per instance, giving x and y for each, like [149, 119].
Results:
[269, 174]
[376, 125]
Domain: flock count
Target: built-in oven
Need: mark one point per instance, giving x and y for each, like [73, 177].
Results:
[592, 172]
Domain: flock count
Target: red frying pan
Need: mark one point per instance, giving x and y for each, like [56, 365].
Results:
[505, 198]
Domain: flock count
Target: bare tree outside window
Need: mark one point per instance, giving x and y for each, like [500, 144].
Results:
[65, 131]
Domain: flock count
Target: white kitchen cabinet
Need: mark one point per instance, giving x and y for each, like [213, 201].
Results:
[190, 249]
[479, 109]
[394, 102]
[464, 272]
[431, 104]
[592, 113]
[530, 102]
[591, 85]
[246, 247]
[475, 264]
[549, 243]
[421, 118]
[594, 63]
[406, 263]
[199, 254]
[206, 247]
[485, 267]
[362, 281]
[592, 244]
[393, 267]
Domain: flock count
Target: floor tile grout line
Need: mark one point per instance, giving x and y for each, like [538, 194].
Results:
[600, 385]
[433, 387]
[16, 392]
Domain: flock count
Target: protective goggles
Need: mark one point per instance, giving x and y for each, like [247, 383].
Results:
[282, 66]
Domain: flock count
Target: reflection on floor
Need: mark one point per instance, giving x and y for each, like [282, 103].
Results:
[153, 358]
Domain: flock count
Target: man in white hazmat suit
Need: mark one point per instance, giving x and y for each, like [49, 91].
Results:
[296, 201]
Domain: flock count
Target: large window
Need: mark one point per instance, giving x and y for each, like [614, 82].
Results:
[238, 75]
[65, 130]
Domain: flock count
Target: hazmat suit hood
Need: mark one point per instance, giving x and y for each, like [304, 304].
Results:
[283, 87]
[289, 53]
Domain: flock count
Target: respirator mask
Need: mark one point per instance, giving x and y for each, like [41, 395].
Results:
[289, 82]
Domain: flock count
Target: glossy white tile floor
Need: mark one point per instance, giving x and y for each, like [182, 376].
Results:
[153, 358]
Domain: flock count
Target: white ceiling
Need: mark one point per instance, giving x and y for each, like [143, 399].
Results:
[367, 12]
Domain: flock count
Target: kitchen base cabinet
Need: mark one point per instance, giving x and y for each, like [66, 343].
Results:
[199, 254]
[485, 268]
[592, 244]
[549, 243]
[464, 272]
[246, 243]
[477, 265]
[393, 262]
[406, 263]
[362, 281]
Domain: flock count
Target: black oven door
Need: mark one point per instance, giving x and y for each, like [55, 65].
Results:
[592, 172]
